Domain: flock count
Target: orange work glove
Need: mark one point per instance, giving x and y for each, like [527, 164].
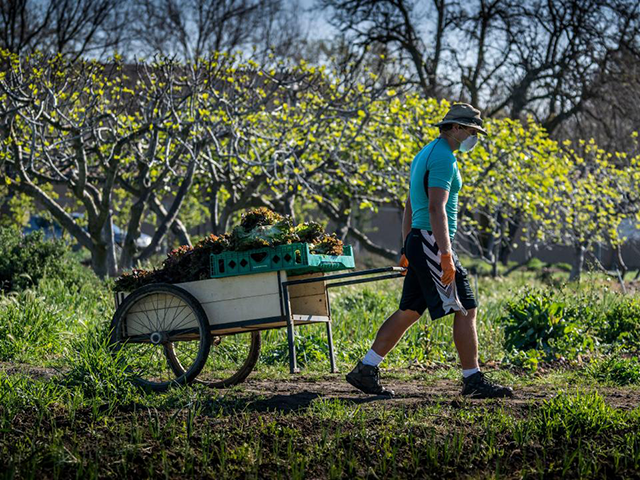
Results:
[404, 263]
[448, 268]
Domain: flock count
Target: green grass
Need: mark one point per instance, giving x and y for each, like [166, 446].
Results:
[67, 409]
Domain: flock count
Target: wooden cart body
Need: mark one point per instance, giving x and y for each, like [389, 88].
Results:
[242, 303]
[253, 302]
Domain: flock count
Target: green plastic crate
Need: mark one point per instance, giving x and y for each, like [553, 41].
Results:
[294, 258]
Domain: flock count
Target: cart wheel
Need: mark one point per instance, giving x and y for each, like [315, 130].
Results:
[159, 322]
[232, 359]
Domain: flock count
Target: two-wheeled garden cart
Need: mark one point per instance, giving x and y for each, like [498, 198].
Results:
[209, 330]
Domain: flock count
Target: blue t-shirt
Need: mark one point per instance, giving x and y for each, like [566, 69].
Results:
[434, 166]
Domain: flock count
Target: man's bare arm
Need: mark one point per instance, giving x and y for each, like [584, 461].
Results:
[406, 219]
[437, 200]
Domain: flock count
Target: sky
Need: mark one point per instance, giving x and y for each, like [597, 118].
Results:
[318, 26]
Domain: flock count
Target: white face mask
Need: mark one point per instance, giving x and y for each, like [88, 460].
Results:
[468, 143]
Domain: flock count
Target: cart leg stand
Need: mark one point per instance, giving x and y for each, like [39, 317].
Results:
[332, 357]
[293, 366]
[285, 306]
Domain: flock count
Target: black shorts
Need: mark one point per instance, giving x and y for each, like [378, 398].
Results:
[423, 287]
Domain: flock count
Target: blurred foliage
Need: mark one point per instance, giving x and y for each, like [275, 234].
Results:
[339, 140]
[26, 259]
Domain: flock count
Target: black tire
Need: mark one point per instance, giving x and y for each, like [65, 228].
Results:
[149, 338]
[237, 367]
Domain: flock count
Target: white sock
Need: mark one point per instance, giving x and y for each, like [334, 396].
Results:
[372, 358]
[470, 371]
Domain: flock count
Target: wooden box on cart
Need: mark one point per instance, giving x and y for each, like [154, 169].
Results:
[239, 304]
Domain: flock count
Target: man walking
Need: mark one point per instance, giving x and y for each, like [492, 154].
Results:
[434, 280]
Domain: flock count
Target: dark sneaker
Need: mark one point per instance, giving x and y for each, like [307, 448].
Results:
[366, 378]
[478, 386]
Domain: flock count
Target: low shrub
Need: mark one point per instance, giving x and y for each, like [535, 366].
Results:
[537, 321]
[529, 359]
[616, 370]
[476, 266]
[621, 325]
[535, 265]
[565, 267]
[27, 259]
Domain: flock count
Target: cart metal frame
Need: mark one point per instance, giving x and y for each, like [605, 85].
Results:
[280, 300]
[286, 313]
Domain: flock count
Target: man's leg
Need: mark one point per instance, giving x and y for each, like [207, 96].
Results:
[392, 330]
[466, 338]
[366, 375]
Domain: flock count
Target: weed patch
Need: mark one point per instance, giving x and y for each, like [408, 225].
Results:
[86, 420]
[621, 325]
[536, 321]
[615, 370]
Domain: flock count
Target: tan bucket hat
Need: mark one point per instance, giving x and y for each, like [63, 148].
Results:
[463, 114]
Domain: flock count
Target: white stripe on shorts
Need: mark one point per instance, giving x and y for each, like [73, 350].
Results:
[448, 294]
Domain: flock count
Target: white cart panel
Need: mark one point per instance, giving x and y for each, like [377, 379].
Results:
[241, 298]
[254, 299]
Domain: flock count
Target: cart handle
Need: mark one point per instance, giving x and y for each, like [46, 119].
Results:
[359, 273]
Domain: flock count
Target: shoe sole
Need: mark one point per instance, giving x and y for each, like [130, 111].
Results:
[354, 383]
[481, 396]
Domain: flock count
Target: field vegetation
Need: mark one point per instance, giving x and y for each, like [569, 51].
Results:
[67, 409]
[129, 127]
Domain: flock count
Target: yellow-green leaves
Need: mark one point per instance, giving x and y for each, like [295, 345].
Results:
[304, 132]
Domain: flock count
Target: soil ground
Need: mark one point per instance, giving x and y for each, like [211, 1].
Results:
[296, 392]
[265, 427]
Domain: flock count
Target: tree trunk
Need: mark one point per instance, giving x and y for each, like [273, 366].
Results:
[506, 246]
[342, 226]
[99, 260]
[177, 227]
[128, 252]
[214, 210]
[494, 258]
[288, 207]
[402, 239]
[578, 263]
[490, 250]
[222, 221]
[133, 228]
[620, 265]
[112, 259]
[172, 214]
[486, 239]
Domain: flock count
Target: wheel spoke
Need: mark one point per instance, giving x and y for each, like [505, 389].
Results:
[154, 363]
[231, 360]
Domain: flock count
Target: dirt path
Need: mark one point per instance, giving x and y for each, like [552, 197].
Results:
[297, 392]
[29, 370]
